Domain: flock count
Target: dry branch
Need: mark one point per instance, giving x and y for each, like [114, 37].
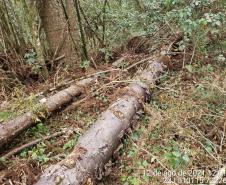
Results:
[69, 81]
[32, 143]
[11, 129]
[96, 146]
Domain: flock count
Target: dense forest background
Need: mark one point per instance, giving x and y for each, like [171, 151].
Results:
[46, 45]
[34, 34]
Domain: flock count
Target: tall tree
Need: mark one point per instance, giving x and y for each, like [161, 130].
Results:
[81, 31]
[31, 9]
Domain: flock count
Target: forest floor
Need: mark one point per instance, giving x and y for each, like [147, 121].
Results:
[180, 132]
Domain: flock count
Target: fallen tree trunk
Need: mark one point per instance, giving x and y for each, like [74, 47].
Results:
[95, 148]
[11, 129]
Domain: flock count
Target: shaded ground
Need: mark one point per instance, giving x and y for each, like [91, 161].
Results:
[182, 131]
[182, 128]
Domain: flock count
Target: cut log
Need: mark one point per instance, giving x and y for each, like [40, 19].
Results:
[96, 146]
[11, 129]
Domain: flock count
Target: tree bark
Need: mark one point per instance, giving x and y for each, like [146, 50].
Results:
[32, 11]
[81, 31]
[9, 130]
[95, 148]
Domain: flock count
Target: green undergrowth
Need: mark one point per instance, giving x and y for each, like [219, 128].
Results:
[57, 148]
[180, 137]
[180, 132]
[21, 103]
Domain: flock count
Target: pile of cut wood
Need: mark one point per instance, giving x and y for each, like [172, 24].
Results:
[95, 148]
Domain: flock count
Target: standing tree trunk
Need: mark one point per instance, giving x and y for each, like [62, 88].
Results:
[10, 26]
[66, 13]
[82, 35]
[35, 25]
[59, 23]
[8, 36]
[104, 22]
[95, 148]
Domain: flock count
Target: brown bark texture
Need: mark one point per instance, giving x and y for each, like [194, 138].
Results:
[61, 33]
[96, 146]
[10, 129]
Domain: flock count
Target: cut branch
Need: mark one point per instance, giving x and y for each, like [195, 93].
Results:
[95, 148]
[11, 129]
[32, 143]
